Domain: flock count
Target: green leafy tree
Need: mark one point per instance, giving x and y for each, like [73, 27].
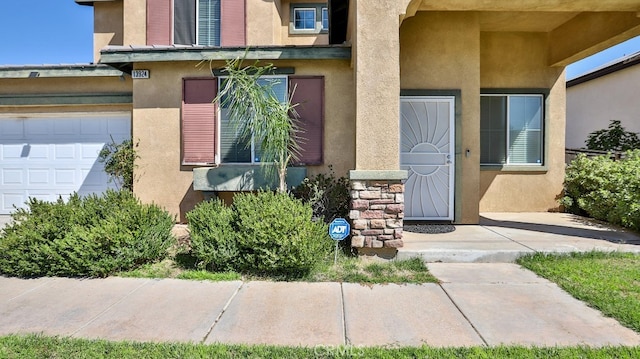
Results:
[613, 138]
[119, 162]
[258, 114]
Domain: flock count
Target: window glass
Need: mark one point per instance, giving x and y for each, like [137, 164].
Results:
[209, 22]
[304, 19]
[234, 148]
[511, 129]
[325, 19]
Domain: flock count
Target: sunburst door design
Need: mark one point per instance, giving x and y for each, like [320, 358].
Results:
[427, 153]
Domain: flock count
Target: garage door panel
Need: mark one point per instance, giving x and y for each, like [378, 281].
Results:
[12, 152]
[10, 199]
[11, 129]
[37, 177]
[12, 177]
[52, 155]
[64, 152]
[37, 128]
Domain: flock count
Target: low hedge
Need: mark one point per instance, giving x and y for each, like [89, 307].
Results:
[605, 189]
[263, 233]
[92, 236]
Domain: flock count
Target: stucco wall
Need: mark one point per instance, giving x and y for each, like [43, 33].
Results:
[156, 125]
[108, 25]
[441, 51]
[593, 104]
[518, 61]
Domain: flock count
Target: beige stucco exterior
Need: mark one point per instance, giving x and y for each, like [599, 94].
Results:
[461, 46]
[441, 51]
[593, 104]
[156, 111]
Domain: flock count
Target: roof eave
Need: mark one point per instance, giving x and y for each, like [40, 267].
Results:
[627, 62]
[58, 71]
[123, 57]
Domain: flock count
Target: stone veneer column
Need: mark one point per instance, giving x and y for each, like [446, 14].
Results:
[377, 209]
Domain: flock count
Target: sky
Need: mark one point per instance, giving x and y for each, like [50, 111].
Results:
[61, 32]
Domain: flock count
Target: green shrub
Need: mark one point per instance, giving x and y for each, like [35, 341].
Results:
[277, 236]
[329, 196]
[263, 233]
[90, 236]
[613, 138]
[213, 238]
[605, 189]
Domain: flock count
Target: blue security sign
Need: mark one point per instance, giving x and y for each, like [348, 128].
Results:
[339, 229]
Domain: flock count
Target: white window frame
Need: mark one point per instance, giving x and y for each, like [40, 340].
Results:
[253, 161]
[318, 11]
[197, 20]
[507, 132]
[324, 10]
[305, 9]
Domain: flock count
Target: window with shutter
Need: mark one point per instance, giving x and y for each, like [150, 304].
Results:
[202, 132]
[199, 121]
[196, 22]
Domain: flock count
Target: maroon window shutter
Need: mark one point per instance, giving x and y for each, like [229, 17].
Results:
[159, 18]
[199, 121]
[308, 93]
[232, 27]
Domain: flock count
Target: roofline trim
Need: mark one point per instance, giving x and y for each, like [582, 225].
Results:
[127, 54]
[621, 65]
[106, 98]
[58, 71]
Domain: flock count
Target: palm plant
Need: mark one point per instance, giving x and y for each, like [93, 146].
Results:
[257, 113]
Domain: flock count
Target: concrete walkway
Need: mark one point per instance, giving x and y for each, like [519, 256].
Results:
[503, 237]
[476, 304]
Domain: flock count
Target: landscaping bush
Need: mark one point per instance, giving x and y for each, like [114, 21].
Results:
[263, 233]
[213, 238]
[91, 236]
[329, 196]
[605, 189]
[277, 236]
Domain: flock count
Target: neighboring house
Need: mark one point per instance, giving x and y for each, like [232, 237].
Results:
[602, 95]
[436, 110]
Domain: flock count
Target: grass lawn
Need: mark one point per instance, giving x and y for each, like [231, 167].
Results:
[347, 269]
[609, 282]
[36, 346]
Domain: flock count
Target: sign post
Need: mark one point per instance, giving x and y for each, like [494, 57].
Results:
[339, 229]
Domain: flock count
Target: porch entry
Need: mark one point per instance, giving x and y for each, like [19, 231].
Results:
[427, 152]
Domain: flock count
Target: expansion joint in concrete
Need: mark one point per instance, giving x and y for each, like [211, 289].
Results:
[463, 315]
[224, 309]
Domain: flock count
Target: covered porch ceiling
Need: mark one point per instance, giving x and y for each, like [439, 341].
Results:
[576, 28]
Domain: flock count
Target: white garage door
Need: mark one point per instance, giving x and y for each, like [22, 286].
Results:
[50, 155]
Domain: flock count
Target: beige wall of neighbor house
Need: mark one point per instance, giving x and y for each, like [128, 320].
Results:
[441, 51]
[518, 61]
[592, 105]
[156, 125]
[108, 26]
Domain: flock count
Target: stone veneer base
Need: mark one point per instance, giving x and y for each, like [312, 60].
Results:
[377, 209]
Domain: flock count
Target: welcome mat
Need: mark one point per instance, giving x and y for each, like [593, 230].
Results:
[428, 228]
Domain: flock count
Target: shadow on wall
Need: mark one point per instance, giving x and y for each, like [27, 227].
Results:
[190, 199]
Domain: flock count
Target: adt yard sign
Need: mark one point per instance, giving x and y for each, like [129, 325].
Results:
[339, 229]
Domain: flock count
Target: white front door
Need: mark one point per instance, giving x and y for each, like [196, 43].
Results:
[427, 152]
[49, 155]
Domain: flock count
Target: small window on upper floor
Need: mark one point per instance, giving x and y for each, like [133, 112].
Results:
[308, 18]
[325, 19]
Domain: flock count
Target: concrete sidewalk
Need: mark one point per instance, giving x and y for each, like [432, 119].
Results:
[475, 305]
